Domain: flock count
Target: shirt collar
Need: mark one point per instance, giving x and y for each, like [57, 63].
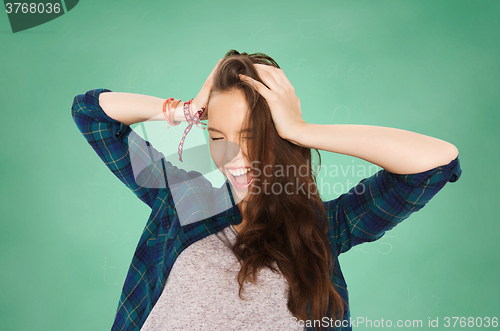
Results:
[224, 207]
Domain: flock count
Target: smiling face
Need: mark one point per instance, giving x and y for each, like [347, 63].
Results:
[228, 143]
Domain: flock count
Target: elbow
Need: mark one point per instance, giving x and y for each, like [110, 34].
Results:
[74, 107]
[77, 103]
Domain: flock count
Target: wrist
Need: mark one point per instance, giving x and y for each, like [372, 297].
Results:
[297, 133]
[179, 113]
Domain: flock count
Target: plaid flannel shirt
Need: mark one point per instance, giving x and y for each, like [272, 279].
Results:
[353, 217]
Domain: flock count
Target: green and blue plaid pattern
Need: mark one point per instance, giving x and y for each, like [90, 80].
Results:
[353, 218]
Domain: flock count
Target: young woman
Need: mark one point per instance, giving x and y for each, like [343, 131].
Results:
[267, 258]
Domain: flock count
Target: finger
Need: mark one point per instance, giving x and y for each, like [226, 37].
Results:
[263, 90]
[277, 74]
[285, 78]
[208, 81]
[269, 80]
[216, 66]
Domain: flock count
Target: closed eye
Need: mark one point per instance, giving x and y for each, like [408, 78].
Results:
[222, 138]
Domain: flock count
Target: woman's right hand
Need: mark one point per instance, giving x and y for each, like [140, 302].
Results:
[202, 97]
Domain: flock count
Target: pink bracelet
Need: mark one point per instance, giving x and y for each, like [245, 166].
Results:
[191, 118]
[167, 113]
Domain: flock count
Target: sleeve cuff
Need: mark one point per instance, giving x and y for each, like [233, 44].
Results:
[92, 104]
[438, 176]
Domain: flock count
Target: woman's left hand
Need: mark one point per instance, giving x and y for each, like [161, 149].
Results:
[284, 104]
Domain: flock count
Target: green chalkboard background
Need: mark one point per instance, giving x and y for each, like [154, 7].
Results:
[69, 228]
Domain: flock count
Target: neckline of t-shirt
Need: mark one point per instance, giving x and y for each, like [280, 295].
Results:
[232, 228]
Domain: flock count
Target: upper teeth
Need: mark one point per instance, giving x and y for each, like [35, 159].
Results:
[238, 172]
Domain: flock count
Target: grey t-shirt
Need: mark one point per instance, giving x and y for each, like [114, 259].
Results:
[201, 293]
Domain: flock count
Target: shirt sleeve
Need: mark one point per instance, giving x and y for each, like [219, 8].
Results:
[130, 158]
[380, 202]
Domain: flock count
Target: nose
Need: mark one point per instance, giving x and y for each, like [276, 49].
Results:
[224, 152]
[234, 153]
[237, 158]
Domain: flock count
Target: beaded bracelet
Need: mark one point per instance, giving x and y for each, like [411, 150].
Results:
[187, 114]
[192, 120]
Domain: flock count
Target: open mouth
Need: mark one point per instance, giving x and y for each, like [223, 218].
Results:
[241, 179]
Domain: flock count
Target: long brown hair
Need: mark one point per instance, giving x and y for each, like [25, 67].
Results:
[289, 229]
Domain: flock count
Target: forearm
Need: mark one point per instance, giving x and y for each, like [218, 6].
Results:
[395, 150]
[130, 108]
